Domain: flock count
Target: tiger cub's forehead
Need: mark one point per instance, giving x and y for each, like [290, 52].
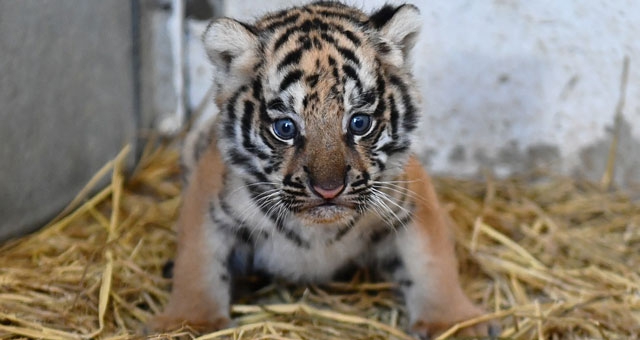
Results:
[320, 52]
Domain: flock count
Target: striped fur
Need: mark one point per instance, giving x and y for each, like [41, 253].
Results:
[342, 190]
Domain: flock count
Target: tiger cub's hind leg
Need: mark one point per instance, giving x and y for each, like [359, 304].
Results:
[200, 294]
[426, 268]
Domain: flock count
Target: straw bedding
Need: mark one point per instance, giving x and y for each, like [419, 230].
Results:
[548, 257]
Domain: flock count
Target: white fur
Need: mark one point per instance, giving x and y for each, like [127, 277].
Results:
[401, 32]
[228, 38]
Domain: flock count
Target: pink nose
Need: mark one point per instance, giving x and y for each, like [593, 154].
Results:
[328, 193]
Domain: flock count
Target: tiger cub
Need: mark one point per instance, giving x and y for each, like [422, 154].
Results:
[307, 169]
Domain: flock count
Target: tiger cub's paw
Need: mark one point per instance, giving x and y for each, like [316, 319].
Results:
[438, 324]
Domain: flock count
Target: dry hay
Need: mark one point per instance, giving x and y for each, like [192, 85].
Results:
[549, 257]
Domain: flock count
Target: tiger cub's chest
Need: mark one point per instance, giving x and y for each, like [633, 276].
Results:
[318, 262]
[287, 248]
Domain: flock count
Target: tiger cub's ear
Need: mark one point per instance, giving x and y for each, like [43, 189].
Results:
[231, 45]
[399, 27]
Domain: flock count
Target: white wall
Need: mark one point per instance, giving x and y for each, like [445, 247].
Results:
[508, 84]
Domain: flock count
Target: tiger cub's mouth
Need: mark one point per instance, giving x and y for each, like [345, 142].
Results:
[327, 213]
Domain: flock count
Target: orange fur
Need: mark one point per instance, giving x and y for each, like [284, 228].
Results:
[191, 299]
[447, 303]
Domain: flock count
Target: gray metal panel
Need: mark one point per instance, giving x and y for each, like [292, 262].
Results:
[66, 102]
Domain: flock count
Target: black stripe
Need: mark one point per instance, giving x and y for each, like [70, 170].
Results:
[257, 87]
[283, 22]
[248, 27]
[245, 162]
[317, 43]
[264, 116]
[351, 73]
[290, 78]
[379, 235]
[306, 42]
[410, 118]
[403, 221]
[344, 231]
[239, 159]
[328, 38]
[381, 108]
[395, 115]
[294, 193]
[383, 15]
[284, 37]
[405, 283]
[340, 15]
[292, 236]
[277, 105]
[299, 143]
[329, 4]
[404, 197]
[349, 140]
[313, 97]
[231, 111]
[380, 83]
[286, 232]
[363, 181]
[247, 123]
[375, 136]
[258, 65]
[240, 230]
[264, 136]
[349, 55]
[383, 47]
[358, 191]
[336, 74]
[292, 57]
[247, 120]
[314, 24]
[308, 25]
[351, 36]
[392, 264]
[277, 15]
[394, 147]
[287, 180]
[366, 98]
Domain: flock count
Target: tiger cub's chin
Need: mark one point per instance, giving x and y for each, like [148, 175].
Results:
[326, 214]
[307, 170]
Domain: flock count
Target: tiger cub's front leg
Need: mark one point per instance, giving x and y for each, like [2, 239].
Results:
[425, 265]
[200, 294]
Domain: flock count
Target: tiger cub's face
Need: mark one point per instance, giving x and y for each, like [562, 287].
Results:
[317, 106]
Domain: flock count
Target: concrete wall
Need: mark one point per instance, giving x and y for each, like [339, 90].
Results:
[510, 84]
[66, 102]
[507, 85]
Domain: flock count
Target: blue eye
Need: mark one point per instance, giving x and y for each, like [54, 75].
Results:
[360, 124]
[284, 128]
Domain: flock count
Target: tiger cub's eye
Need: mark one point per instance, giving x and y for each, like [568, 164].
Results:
[284, 128]
[360, 124]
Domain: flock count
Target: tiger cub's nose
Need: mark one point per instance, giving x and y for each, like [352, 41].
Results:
[329, 190]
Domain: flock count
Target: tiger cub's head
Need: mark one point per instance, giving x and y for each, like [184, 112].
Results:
[317, 104]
